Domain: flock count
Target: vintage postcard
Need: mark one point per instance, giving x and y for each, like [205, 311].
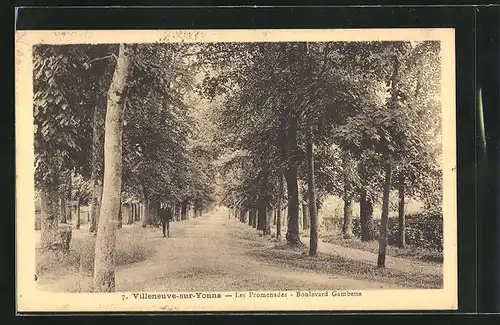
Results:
[236, 170]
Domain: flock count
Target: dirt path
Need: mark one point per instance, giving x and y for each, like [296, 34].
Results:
[214, 253]
[405, 265]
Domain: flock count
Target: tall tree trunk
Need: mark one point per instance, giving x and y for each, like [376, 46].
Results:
[184, 211]
[69, 198]
[95, 206]
[292, 234]
[155, 210]
[264, 202]
[137, 212]
[347, 225]
[120, 216]
[148, 212]
[278, 209]
[96, 177]
[388, 172]
[269, 214]
[62, 210]
[65, 196]
[49, 218]
[301, 222]
[78, 213]
[254, 218]
[147, 216]
[105, 251]
[305, 216]
[385, 216]
[285, 215]
[261, 216]
[366, 216]
[177, 212]
[289, 147]
[311, 191]
[131, 213]
[401, 216]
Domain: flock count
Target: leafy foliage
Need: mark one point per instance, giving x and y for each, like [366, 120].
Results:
[372, 99]
[70, 82]
[203, 120]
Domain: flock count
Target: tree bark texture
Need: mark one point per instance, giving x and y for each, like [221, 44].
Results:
[401, 212]
[366, 217]
[49, 218]
[278, 209]
[96, 177]
[105, 252]
[311, 191]
[292, 234]
[385, 216]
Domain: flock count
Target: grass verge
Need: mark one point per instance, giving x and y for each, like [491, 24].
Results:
[410, 252]
[74, 268]
[333, 264]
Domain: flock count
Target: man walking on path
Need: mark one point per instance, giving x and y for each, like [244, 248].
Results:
[165, 216]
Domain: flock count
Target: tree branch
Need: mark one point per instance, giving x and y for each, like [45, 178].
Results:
[103, 58]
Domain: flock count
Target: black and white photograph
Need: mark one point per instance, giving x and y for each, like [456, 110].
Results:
[236, 170]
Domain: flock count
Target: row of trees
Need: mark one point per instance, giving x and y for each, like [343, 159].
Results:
[287, 125]
[119, 119]
[300, 121]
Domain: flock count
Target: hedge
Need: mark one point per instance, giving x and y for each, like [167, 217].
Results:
[422, 230]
